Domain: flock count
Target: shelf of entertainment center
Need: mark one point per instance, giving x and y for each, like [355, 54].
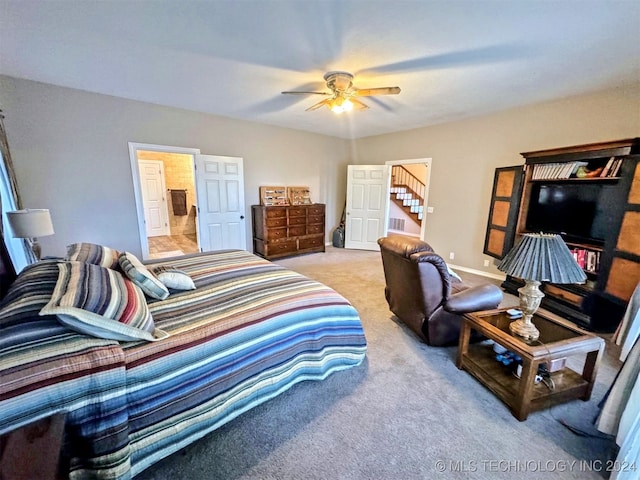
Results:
[578, 288]
[572, 180]
[585, 245]
[575, 244]
[586, 254]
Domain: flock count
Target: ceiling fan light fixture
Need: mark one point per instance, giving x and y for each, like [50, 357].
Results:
[341, 105]
[342, 94]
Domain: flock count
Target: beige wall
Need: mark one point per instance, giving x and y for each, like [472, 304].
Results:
[465, 154]
[71, 156]
[70, 150]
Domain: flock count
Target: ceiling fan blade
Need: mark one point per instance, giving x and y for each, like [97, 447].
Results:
[382, 104]
[321, 103]
[358, 104]
[461, 58]
[368, 92]
[306, 93]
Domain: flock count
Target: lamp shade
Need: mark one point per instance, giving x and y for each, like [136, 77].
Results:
[30, 223]
[542, 257]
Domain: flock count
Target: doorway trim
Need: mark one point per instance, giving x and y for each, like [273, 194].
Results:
[427, 181]
[137, 190]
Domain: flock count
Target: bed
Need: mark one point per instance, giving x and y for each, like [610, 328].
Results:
[248, 331]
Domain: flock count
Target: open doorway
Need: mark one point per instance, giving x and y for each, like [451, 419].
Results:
[169, 200]
[369, 213]
[213, 196]
[408, 196]
[165, 191]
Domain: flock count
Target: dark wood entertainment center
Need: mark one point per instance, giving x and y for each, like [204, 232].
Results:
[610, 257]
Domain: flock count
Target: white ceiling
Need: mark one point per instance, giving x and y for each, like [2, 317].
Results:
[452, 59]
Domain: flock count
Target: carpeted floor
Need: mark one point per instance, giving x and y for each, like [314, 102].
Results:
[406, 413]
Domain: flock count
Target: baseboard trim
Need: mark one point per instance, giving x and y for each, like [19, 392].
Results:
[495, 276]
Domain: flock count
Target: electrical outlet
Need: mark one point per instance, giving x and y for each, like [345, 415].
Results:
[429, 209]
[486, 263]
[452, 255]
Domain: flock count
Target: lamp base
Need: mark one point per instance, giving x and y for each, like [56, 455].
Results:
[36, 248]
[528, 331]
[530, 298]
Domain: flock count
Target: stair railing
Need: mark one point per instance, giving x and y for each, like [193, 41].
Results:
[402, 176]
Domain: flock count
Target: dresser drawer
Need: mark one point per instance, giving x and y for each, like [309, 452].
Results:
[276, 212]
[311, 242]
[277, 248]
[297, 220]
[276, 222]
[317, 228]
[297, 231]
[316, 219]
[297, 212]
[276, 233]
[316, 210]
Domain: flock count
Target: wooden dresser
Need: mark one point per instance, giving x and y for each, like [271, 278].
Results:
[282, 231]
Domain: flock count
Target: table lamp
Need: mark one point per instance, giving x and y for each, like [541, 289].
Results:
[31, 223]
[538, 257]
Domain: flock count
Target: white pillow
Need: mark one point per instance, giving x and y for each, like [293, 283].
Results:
[173, 278]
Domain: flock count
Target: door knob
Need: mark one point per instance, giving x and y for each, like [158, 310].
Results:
[241, 217]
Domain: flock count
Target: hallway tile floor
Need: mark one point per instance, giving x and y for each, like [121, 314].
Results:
[172, 245]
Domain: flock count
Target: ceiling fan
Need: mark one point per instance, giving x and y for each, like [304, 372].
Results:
[343, 93]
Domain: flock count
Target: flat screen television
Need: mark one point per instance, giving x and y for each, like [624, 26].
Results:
[577, 211]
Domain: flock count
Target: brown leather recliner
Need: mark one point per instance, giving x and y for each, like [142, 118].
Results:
[423, 295]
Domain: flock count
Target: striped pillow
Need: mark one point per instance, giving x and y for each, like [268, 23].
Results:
[138, 274]
[92, 253]
[30, 291]
[173, 277]
[102, 303]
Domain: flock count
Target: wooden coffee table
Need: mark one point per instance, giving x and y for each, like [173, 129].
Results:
[559, 339]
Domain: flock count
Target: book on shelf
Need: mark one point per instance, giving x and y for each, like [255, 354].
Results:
[568, 169]
[607, 167]
[591, 261]
[616, 168]
[588, 260]
[612, 168]
[565, 170]
[555, 171]
[581, 257]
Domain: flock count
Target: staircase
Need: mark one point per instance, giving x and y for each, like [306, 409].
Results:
[408, 193]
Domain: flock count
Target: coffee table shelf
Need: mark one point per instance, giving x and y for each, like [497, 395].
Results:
[559, 339]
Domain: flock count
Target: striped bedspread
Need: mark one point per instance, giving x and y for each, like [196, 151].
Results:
[250, 331]
[45, 369]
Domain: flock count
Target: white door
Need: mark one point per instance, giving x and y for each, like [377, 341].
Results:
[367, 205]
[154, 197]
[220, 192]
